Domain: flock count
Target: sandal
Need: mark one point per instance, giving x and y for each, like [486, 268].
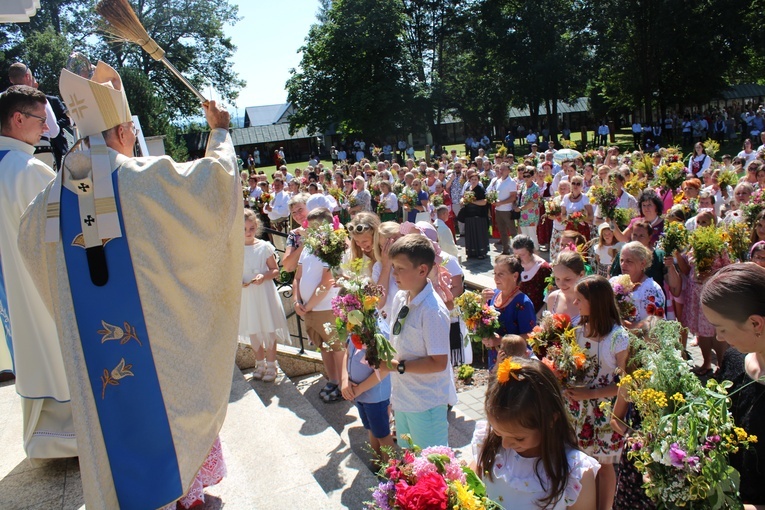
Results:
[327, 389]
[701, 372]
[332, 396]
[270, 374]
[260, 369]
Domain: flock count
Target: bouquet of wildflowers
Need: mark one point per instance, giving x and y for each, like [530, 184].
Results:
[432, 478]
[623, 216]
[727, 178]
[553, 208]
[755, 205]
[485, 181]
[381, 207]
[398, 188]
[670, 176]
[375, 190]
[710, 249]
[492, 196]
[554, 342]
[468, 197]
[590, 156]
[355, 310]
[687, 431]
[711, 147]
[576, 219]
[408, 198]
[643, 165]
[605, 198]
[738, 237]
[623, 286]
[436, 199]
[674, 238]
[352, 202]
[482, 321]
[337, 194]
[327, 242]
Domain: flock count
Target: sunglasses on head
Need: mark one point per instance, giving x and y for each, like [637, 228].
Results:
[400, 319]
[359, 228]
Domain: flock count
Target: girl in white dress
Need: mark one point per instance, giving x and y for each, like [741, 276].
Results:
[526, 452]
[261, 317]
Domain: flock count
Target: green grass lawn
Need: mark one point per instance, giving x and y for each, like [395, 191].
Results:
[623, 141]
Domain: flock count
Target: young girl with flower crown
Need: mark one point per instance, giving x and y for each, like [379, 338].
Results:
[526, 451]
[604, 340]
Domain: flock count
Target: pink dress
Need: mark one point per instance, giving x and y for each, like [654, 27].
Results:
[211, 473]
[693, 316]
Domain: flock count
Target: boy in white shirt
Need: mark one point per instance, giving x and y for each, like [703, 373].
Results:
[421, 377]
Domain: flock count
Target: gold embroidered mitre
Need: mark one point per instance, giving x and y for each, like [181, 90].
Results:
[95, 104]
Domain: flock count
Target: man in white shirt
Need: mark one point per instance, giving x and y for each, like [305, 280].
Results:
[277, 209]
[507, 194]
[286, 176]
[603, 133]
[531, 139]
[445, 234]
[637, 132]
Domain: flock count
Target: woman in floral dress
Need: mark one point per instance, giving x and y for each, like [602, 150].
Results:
[604, 340]
[528, 205]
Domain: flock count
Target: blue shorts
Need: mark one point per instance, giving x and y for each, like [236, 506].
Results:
[374, 417]
[427, 428]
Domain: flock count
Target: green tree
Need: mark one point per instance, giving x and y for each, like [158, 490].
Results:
[353, 71]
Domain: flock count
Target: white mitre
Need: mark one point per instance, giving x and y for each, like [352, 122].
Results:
[95, 104]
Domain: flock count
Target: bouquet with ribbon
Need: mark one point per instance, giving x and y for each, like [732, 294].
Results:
[433, 478]
[623, 286]
[327, 242]
[481, 320]
[356, 314]
[687, 434]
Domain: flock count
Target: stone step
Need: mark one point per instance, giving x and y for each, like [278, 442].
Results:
[342, 475]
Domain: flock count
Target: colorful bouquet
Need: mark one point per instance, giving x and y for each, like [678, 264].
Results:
[337, 194]
[408, 198]
[327, 242]
[431, 479]
[755, 205]
[436, 199]
[352, 202]
[482, 321]
[635, 185]
[468, 197]
[553, 208]
[492, 197]
[374, 189]
[398, 188]
[554, 341]
[605, 198]
[265, 198]
[623, 286]
[670, 176]
[381, 207]
[355, 310]
[710, 247]
[485, 181]
[687, 432]
[623, 216]
[576, 219]
[591, 156]
[674, 238]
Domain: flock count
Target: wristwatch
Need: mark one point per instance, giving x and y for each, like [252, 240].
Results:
[401, 367]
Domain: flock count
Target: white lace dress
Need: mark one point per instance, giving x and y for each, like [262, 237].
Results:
[516, 484]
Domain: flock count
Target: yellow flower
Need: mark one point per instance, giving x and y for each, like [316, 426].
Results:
[466, 499]
[506, 369]
[678, 397]
[752, 439]
[741, 434]
[370, 302]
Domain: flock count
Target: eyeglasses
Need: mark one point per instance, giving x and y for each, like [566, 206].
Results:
[400, 319]
[358, 229]
[576, 183]
[43, 120]
[528, 175]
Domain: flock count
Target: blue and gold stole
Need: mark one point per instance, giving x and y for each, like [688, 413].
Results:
[119, 360]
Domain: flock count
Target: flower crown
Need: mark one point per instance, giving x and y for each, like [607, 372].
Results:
[509, 368]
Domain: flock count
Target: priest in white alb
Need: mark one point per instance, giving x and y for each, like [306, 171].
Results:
[140, 261]
[30, 346]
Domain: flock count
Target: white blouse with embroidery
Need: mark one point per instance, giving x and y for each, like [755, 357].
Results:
[516, 484]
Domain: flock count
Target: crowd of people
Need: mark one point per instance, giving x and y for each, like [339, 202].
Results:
[405, 222]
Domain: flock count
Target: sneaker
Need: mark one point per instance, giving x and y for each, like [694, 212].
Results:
[270, 374]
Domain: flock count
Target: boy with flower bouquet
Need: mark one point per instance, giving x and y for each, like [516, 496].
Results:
[430, 478]
[314, 289]
[481, 320]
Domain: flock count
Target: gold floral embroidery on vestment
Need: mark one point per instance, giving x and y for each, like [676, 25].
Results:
[112, 378]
